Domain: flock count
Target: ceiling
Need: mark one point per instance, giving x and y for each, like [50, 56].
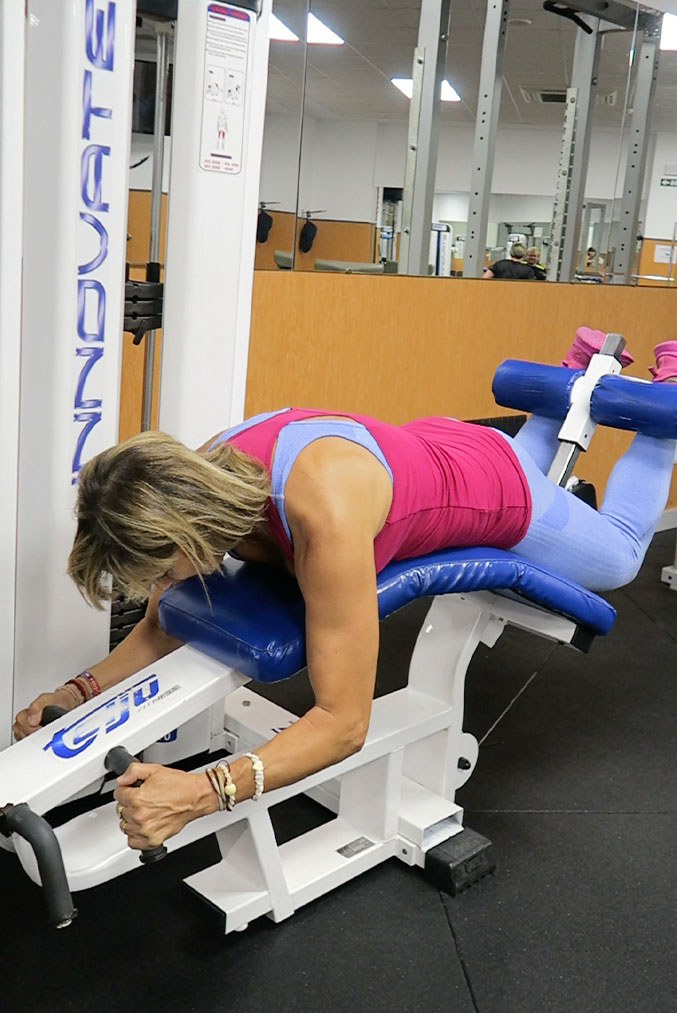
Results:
[352, 82]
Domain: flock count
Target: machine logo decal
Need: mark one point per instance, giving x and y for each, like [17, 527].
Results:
[98, 63]
[102, 720]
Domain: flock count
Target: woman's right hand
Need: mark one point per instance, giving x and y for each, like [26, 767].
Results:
[28, 720]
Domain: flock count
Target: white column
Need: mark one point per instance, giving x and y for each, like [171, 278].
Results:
[79, 61]
[12, 42]
[219, 93]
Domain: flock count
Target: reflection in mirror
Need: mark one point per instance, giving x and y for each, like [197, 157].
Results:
[355, 124]
[656, 260]
[352, 115]
[276, 226]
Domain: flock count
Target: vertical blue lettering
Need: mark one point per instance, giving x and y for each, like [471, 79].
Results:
[90, 419]
[92, 355]
[88, 110]
[91, 285]
[100, 41]
[103, 243]
[92, 157]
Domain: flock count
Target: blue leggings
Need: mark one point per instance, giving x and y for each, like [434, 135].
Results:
[598, 549]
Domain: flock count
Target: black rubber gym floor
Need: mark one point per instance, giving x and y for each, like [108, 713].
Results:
[575, 786]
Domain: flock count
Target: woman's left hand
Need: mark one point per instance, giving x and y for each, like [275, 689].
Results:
[162, 805]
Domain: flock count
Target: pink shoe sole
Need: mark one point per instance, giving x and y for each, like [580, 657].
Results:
[584, 346]
[666, 361]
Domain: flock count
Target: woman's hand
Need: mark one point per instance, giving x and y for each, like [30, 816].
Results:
[162, 805]
[28, 720]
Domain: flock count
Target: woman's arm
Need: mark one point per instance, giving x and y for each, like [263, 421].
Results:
[335, 507]
[145, 644]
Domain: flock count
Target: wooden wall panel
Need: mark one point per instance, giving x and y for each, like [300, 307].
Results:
[338, 241]
[399, 347]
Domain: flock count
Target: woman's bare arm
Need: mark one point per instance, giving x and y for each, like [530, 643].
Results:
[143, 646]
[335, 507]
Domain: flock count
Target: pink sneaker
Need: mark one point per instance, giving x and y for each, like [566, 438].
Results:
[666, 361]
[586, 343]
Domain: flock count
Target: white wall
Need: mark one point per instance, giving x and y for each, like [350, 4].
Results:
[345, 161]
[661, 213]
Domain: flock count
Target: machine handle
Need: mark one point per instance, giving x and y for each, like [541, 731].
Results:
[50, 713]
[117, 761]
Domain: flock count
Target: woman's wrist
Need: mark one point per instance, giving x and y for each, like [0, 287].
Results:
[206, 800]
[68, 697]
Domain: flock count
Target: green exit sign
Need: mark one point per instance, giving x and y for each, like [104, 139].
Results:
[668, 180]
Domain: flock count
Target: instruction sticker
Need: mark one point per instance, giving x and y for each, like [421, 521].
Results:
[227, 42]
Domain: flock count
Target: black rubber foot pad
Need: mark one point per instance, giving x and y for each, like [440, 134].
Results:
[459, 862]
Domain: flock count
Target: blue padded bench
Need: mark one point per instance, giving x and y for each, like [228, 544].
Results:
[253, 619]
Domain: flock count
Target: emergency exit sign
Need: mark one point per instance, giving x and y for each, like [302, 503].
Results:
[668, 180]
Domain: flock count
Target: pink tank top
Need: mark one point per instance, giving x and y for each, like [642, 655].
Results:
[454, 483]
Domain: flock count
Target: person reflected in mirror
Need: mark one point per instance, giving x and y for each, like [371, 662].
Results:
[533, 259]
[513, 267]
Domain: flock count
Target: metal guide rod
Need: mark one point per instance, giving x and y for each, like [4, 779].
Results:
[647, 73]
[423, 140]
[488, 106]
[672, 252]
[155, 212]
[12, 65]
[410, 164]
[584, 80]
[560, 207]
[578, 425]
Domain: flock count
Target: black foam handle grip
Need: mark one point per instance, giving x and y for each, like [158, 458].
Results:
[51, 713]
[117, 760]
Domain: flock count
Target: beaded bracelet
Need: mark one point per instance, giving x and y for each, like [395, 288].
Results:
[257, 768]
[96, 688]
[221, 781]
[77, 683]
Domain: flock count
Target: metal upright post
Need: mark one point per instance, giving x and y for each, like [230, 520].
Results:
[645, 88]
[423, 138]
[560, 211]
[77, 102]
[488, 105]
[153, 266]
[12, 49]
[584, 80]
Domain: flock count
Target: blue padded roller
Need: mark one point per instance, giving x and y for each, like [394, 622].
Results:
[625, 402]
[534, 387]
[622, 402]
[254, 620]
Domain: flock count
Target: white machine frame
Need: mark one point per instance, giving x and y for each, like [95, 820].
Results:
[396, 797]
[66, 90]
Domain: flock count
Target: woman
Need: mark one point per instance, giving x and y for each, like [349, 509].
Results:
[332, 498]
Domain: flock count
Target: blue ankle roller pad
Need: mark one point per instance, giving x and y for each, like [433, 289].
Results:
[534, 387]
[254, 620]
[625, 402]
[622, 402]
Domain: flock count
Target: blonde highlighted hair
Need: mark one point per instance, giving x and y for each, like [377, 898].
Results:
[144, 499]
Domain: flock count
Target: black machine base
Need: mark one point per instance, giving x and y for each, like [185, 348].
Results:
[459, 862]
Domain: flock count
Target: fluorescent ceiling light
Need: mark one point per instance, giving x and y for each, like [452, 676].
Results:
[669, 32]
[319, 34]
[278, 32]
[449, 93]
[406, 86]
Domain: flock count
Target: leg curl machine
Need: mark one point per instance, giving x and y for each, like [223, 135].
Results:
[396, 797]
